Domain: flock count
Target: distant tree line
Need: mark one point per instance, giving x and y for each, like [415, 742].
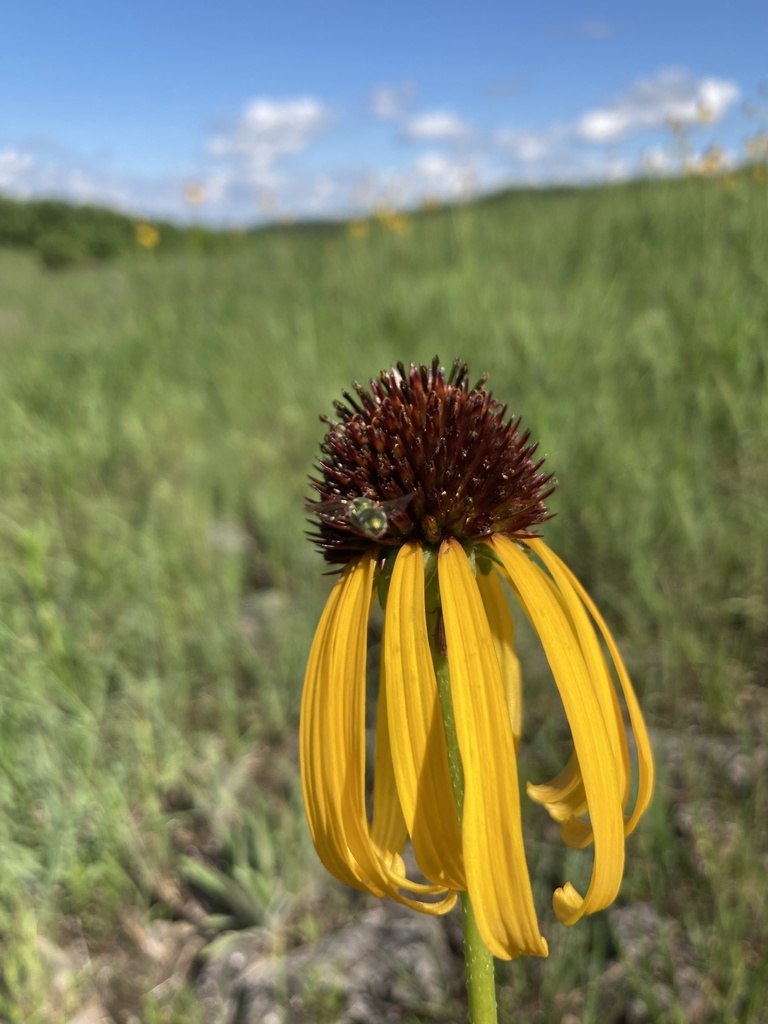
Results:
[63, 234]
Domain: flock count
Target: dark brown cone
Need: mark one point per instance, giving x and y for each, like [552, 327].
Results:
[439, 451]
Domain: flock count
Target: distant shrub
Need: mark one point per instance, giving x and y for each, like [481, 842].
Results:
[64, 234]
[59, 249]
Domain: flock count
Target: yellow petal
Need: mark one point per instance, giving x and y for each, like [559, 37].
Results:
[636, 720]
[503, 632]
[563, 796]
[494, 856]
[595, 662]
[591, 738]
[577, 833]
[417, 734]
[325, 824]
[332, 741]
[388, 829]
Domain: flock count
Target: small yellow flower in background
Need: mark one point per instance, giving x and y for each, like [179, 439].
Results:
[194, 194]
[147, 235]
[713, 161]
[756, 148]
[429, 204]
[705, 114]
[395, 222]
[399, 224]
[428, 498]
[358, 229]
[757, 152]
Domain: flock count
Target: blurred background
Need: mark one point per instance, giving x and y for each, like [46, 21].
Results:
[211, 221]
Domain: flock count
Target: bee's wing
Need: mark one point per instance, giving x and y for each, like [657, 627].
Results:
[334, 507]
[397, 504]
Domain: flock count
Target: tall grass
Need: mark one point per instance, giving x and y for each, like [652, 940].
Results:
[158, 418]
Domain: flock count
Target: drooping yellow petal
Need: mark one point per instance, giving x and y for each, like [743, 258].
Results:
[325, 821]
[593, 656]
[576, 833]
[388, 829]
[591, 738]
[503, 632]
[563, 796]
[417, 734]
[636, 720]
[494, 856]
[332, 741]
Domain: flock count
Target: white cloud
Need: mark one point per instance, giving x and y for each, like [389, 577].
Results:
[437, 176]
[650, 102]
[25, 175]
[53, 173]
[526, 147]
[436, 126]
[13, 164]
[660, 160]
[269, 130]
[256, 167]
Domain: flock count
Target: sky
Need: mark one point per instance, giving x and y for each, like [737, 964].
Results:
[239, 112]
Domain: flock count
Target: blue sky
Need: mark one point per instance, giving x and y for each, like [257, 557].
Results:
[328, 107]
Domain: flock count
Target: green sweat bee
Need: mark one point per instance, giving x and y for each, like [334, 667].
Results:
[365, 516]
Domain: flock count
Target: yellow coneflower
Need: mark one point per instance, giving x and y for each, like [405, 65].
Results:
[147, 235]
[398, 224]
[358, 229]
[429, 497]
[395, 222]
[705, 114]
[756, 148]
[713, 161]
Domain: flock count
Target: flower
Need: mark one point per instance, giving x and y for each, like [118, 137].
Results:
[430, 497]
[713, 161]
[147, 235]
[395, 222]
[705, 114]
[358, 229]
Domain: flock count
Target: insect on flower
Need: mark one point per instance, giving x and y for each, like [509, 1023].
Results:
[365, 516]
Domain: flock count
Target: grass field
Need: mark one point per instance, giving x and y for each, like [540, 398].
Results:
[158, 419]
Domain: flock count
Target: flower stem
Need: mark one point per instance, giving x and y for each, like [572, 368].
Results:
[478, 960]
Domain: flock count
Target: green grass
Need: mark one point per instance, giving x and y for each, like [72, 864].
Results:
[151, 671]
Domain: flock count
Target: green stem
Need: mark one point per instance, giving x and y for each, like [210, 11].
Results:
[478, 960]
